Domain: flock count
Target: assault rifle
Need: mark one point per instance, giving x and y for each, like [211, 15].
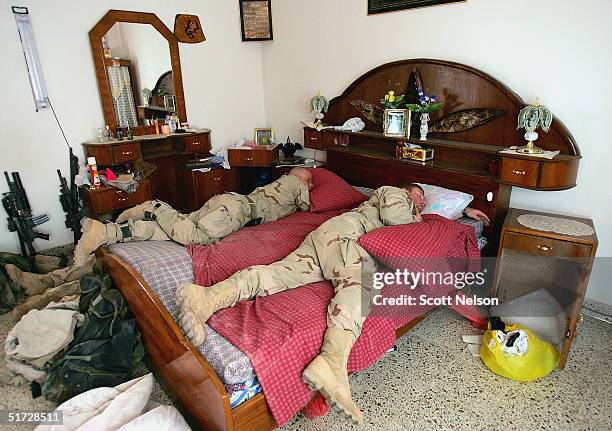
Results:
[69, 198]
[20, 218]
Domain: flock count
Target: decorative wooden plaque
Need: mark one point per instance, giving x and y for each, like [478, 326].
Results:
[256, 20]
[187, 29]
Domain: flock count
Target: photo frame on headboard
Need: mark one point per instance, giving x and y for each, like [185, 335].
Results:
[382, 6]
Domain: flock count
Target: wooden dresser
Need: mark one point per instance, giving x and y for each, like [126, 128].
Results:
[171, 182]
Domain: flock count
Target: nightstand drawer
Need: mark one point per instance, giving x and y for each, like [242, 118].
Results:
[197, 143]
[313, 139]
[541, 246]
[126, 153]
[520, 172]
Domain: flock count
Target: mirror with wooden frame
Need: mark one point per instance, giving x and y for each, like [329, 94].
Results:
[138, 79]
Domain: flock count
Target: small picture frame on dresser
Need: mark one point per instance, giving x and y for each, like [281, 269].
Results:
[264, 136]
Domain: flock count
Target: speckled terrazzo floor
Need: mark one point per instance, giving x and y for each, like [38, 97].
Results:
[431, 383]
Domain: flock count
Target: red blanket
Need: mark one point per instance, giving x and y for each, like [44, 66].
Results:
[282, 333]
[256, 245]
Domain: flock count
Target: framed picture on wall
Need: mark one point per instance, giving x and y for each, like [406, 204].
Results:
[382, 6]
[256, 20]
[264, 136]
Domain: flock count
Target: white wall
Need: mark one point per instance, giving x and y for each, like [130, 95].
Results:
[559, 50]
[221, 77]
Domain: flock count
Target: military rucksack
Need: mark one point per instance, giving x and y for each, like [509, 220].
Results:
[106, 347]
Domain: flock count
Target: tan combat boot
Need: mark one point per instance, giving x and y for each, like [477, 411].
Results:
[198, 303]
[94, 236]
[35, 284]
[327, 373]
[135, 213]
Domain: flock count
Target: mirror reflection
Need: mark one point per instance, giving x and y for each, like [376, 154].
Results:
[139, 73]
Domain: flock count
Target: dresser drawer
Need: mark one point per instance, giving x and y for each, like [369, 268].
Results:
[197, 143]
[520, 172]
[109, 199]
[541, 246]
[262, 158]
[126, 153]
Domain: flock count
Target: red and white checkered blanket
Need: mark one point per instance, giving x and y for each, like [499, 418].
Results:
[282, 333]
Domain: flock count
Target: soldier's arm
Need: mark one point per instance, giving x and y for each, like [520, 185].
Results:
[302, 199]
[396, 207]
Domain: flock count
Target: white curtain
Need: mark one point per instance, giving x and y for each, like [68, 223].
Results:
[121, 90]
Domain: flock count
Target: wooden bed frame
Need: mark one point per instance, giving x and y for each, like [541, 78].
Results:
[192, 382]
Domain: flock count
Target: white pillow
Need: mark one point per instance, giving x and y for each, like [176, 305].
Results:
[445, 202]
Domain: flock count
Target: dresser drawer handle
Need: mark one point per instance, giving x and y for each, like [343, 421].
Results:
[544, 247]
[126, 153]
[217, 178]
[514, 171]
[313, 138]
[122, 199]
[248, 159]
[195, 143]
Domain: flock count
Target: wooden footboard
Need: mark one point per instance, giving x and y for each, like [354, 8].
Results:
[184, 372]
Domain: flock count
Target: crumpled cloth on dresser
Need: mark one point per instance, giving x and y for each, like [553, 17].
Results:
[39, 338]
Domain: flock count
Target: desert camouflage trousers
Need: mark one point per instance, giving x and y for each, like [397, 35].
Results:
[330, 253]
[219, 217]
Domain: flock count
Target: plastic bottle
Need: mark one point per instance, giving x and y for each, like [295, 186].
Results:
[93, 169]
[109, 134]
[101, 137]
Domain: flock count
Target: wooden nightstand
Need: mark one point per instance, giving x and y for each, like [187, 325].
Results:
[530, 259]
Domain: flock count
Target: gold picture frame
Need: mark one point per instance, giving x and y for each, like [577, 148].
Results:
[264, 136]
[396, 123]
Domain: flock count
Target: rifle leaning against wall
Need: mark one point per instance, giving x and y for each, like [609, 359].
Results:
[69, 198]
[20, 218]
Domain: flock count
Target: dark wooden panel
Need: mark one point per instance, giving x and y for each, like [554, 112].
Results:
[313, 139]
[197, 143]
[126, 153]
[103, 154]
[519, 172]
[545, 246]
[252, 158]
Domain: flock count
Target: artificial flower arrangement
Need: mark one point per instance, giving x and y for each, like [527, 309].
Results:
[391, 101]
[426, 103]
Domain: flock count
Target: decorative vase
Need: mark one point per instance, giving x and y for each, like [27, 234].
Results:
[424, 127]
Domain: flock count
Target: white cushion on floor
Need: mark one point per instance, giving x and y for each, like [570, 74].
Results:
[162, 418]
[104, 408]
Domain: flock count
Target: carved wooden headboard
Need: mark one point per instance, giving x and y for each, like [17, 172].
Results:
[478, 119]
[459, 87]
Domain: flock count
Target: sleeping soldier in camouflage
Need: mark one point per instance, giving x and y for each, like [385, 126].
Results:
[330, 253]
[155, 220]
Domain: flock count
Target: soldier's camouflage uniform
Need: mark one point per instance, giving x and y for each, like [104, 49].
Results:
[331, 253]
[219, 217]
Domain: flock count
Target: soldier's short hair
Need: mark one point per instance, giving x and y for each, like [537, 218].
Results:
[410, 185]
